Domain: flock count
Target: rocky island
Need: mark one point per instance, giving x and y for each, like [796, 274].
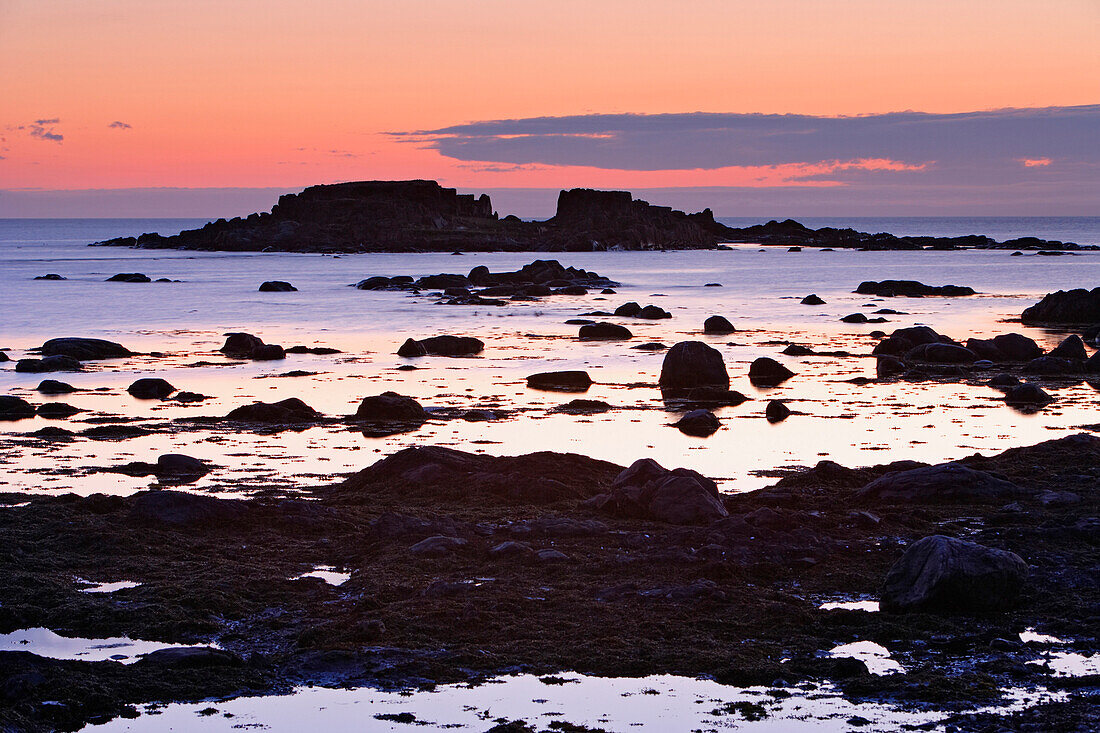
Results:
[422, 216]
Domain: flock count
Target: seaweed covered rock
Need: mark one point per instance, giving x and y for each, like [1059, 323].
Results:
[390, 406]
[647, 490]
[939, 574]
[182, 509]
[150, 388]
[283, 412]
[1065, 307]
[48, 364]
[942, 483]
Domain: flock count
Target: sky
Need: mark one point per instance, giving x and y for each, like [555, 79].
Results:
[812, 107]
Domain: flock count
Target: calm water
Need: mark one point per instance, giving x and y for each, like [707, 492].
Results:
[185, 323]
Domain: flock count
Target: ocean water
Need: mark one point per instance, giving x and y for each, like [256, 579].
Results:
[180, 325]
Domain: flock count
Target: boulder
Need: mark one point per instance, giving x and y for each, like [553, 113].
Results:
[57, 410]
[565, 381]
[653, 313]
[189, 657]
[4, 357]
[812, 299]
[150, 388]
[437, 546]
[605, 332]
[942, 483]
[1003, 381]
[699, 423]
[888, 366]
[179, 465]
[647, 490]
[939, 574]
[48, 364]
[15, 408]
[797, 350]
[1065, 307]
[84, 349]
[718, 325]
[583, 407]
[442, 346]
[766, 371]
[1072, 347]
[1054, 366]
[284, 412]
[911, 289]
[776, 411]
[182, 509]
[277, 286]
[1027, 395]
[129, 277]
[52, 386]
[1017, 347]
[390, 406]
[904, 339]
[247, 346]
[690, 365]
[854, 318]
[941, 354]
[50, 276]
[628, 310]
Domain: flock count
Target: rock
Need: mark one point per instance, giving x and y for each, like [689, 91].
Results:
[766, 371]
[797, 350]
[284, 412]
[941, 354]
[776, 411]
[942, 483]
[1006, 347]
[84, 349]
[650, 346]
[812, 299]
[1027, 395]
[1065, 307]
[605, 332]
[1070, 348]
[511, 548]
[1052, 499]
[442, 346]
[690, 365]
[247, 346]
[1092, 366]
[910, 289]
[48, 364]
[904, 339]
[940, 574]
[1003, 381]
[628, 310]
[50, 276]
[52, 386]
[565, 381]
[854, 318]
[129, 277]
[718, 325]
[177, 464]
[190, 657]
[57, 410]
[437, 546]
[182, 509]
[277, 286]
[315, 350]
[390, 406]
[551, 555]
[150, 388]
[1054, 366]
[888, 366]
[583, 407]
[4, 357]
[646, 489]
[699, 423]
[15, 408]
[653, 313]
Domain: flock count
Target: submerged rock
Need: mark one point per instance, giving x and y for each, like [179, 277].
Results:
[57, 410]
[284, 412]
[130, 277]
[565, 381]
[941, 574]
[48, 364]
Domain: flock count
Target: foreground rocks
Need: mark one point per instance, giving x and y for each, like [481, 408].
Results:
[1068, 307]
[648, 490]
[246, 346]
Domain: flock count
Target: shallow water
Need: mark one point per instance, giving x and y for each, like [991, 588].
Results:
[847, 423]
[46, 643]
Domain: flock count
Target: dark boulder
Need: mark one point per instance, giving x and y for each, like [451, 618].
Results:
[605, 332]
[797, 350]
[583, 407]
[648, 490]
[182, 509]
[1017, 347]
[718, 325]
[129, 277]
[179, 465]
[57, 410]
[854, 318]
[941, 354]
[812, 299]
[888, 366]
[284, 412]
[1054, 366]
[628, 310]
[48, 364]
[50, 276]
[766, 371]
[776, 411]
[277, 286]
[268, 352]
[1072, 347]
[904, 339]
[390, 406]
[442, 346]
[84, 349]
[911, 289]
[1003, 381]
[437, 546]
[566, 381]
[1065, 306]
[1027, 395]
[653, 313]
[942, 483]
[699, 423]
[247, 346]
[690, 365]
[940, 574]
[52, 386]
[15, 408]
[150, 388]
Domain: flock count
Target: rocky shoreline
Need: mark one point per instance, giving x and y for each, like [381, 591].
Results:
[422, 216]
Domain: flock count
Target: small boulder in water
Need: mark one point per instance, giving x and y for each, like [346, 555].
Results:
[277, 286]
[284, 412]
[699, 423]
[605, 332]
[52, 386]
[812, 299]
[150, 388]
[129, 277]
[776, 411]
[48, 364]
[84, 349]
[390, 406]
[689, 365]
[718, 325]
[565, 381]
[766, 371]
[15, 408]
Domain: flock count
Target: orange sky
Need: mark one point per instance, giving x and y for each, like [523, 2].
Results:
[272, 93]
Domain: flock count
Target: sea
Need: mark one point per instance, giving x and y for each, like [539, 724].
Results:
[482, 404]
